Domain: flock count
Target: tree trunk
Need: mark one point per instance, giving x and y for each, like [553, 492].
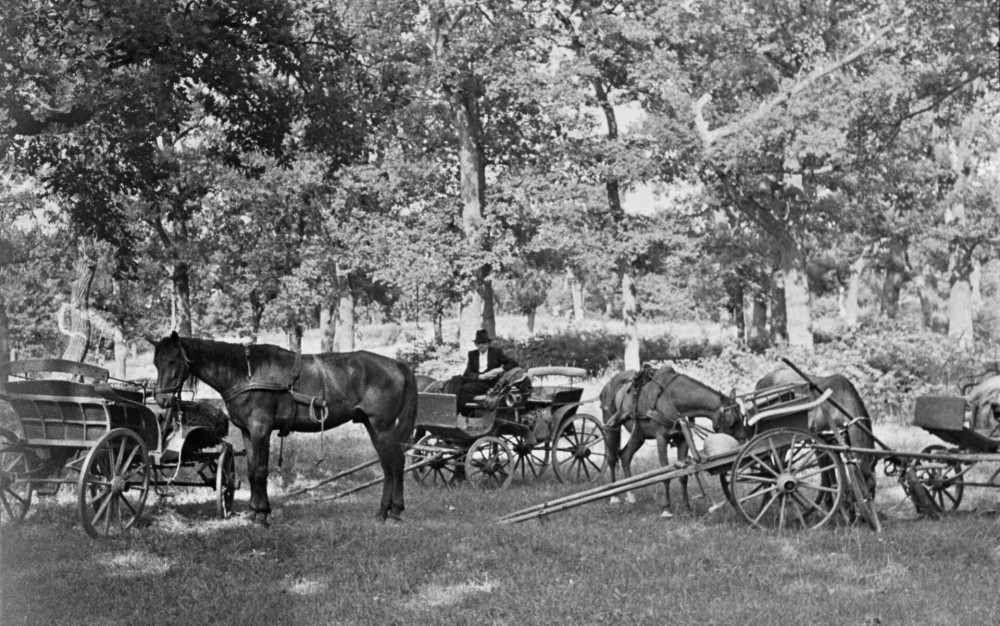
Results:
[121, 354]
[737, 313]
[327, 328]
[346, 318]
[470, 318]
[960, 313]
[4, 333]
[757, 332]
[472, 191]
[852, 309]
[182, 298]
[576, 290]
[930, 299]
[779, 317]
[798, 317]
[531, 320]
[630, 315]
[489, 307]
[294, 336]
[439, 326]
[78, 309]
[256, 314]
[976, 283]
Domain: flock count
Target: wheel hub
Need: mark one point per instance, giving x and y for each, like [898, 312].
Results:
[787, 483]
[118, 485]
[581, 452]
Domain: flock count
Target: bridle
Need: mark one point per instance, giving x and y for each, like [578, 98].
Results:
[175, 390]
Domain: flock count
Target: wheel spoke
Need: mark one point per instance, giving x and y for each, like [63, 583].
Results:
[761, 463]
[766, 506]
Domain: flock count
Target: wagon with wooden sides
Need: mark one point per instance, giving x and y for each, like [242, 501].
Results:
[81, 427]
[509, 435]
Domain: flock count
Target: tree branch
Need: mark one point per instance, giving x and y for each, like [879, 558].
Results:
[710, 136]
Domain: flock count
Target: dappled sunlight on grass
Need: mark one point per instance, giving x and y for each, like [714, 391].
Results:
[133, 563]
[442, 595]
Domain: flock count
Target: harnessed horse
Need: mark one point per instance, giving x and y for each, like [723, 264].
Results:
[267, 388]
[654, 404]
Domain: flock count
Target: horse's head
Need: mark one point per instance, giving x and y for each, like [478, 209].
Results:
[730, 418]
[172, 368]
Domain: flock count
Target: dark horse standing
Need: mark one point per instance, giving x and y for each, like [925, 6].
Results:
[267, 388]
[663, 400]
[826, 417]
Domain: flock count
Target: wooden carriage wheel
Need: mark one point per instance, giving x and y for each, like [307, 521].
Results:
[579, 451]
[16, 461]
[225, 482]
[444, 471]
[942, 479]
[114, 483]
[489, 463]
[781, 480]
[530, 459]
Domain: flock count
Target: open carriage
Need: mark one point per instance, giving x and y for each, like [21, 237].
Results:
[79, 426]
[509, 436]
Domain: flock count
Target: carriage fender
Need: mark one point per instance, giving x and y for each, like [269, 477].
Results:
[564, 412]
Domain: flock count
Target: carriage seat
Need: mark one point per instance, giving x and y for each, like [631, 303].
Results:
[510, 391]
[945, 417]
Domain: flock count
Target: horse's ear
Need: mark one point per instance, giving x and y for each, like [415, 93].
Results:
[174, 336]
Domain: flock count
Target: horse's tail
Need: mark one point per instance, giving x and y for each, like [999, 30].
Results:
[406, 419]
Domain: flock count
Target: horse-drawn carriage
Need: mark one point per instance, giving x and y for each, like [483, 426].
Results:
[509, 435]
[793, 470]
[81, 427]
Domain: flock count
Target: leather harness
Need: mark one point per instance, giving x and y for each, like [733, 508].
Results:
[317, 405]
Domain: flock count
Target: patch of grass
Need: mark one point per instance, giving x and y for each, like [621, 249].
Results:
[327, 562]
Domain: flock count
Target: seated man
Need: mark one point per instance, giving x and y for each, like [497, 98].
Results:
[485, 366]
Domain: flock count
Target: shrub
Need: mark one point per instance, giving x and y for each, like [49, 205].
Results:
[597, 351]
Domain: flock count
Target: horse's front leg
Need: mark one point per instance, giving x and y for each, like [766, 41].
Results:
[682, 455]
[257, 440]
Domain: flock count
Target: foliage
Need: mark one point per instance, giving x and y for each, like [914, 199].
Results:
[599, 351]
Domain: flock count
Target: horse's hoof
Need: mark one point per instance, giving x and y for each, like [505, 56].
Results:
[666, 515]
[260, 521]
[630, 498]
[394, 518]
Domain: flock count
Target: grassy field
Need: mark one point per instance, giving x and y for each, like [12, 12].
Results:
[327, 562]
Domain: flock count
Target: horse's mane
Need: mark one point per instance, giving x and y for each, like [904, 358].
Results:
[262, 356]
[700, 385]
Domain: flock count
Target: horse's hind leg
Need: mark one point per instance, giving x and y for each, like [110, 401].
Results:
[662, 447]
[613, 440]
[635, 441]
[393, 461]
